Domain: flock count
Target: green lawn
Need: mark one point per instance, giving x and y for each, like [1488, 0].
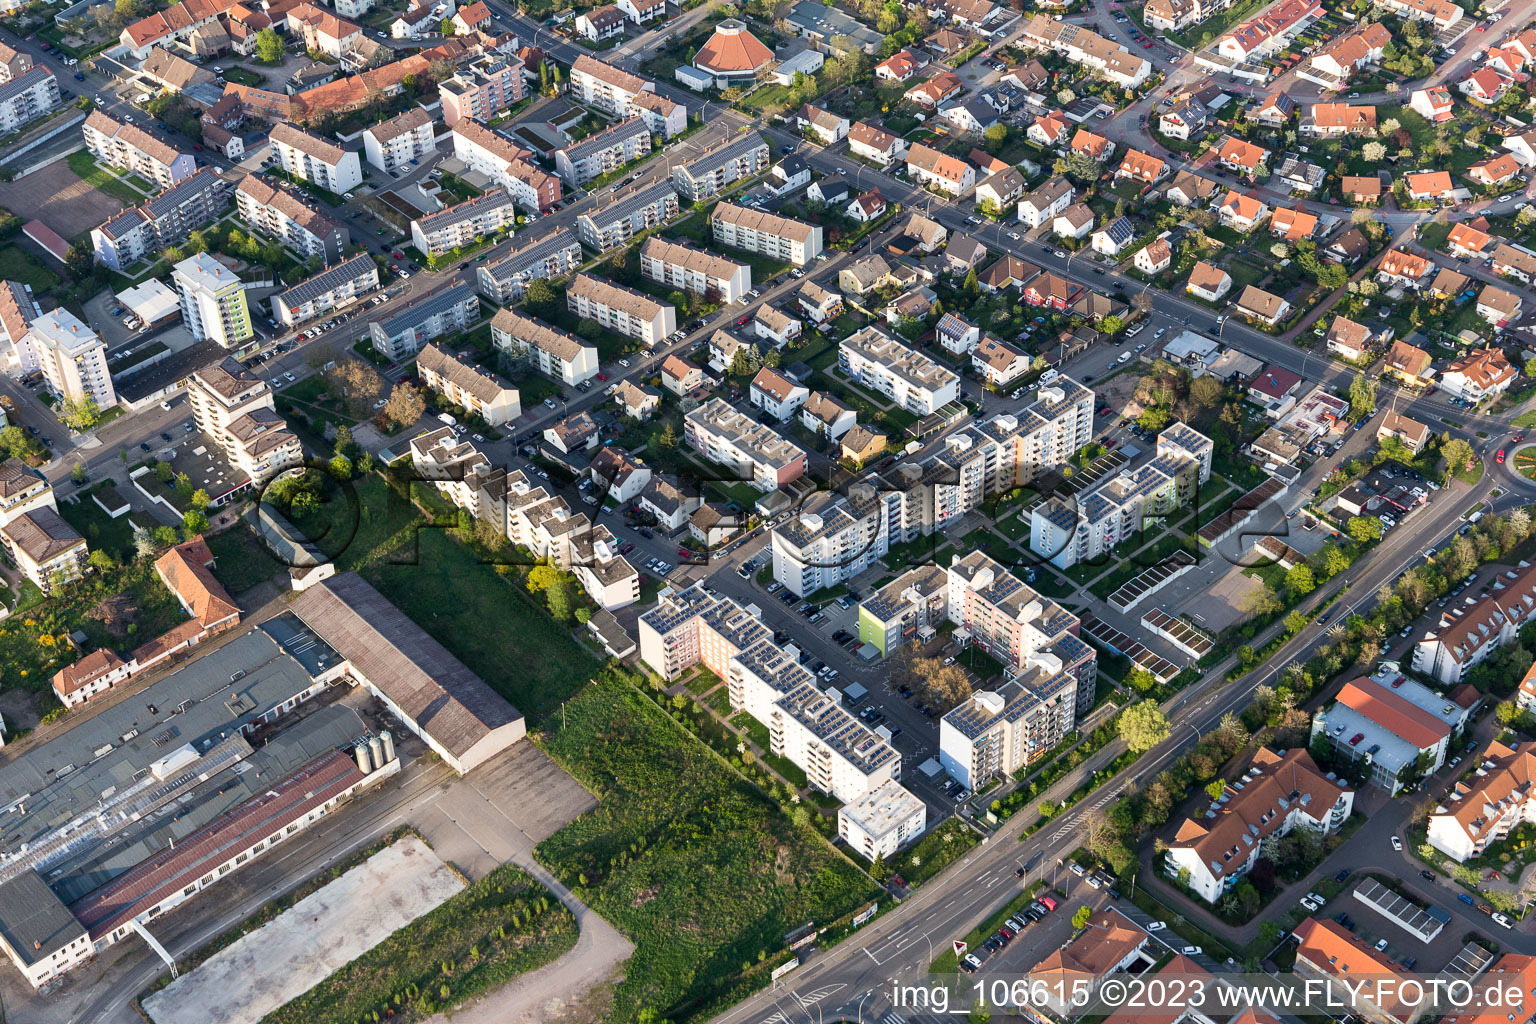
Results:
[699, 868]
[114, 536]
[243, 76]
[240, 561]
[16, 265]
[479, 939]
[102, 180]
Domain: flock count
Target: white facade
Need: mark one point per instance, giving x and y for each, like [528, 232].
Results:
[314, 160]
[882, 821]
[831, 540]
[212, 301]
[72, 358]
[912, 380]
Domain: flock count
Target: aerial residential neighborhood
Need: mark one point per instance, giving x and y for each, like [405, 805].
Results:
[736, 513]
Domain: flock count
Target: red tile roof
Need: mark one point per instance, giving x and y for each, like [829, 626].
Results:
[184, 568]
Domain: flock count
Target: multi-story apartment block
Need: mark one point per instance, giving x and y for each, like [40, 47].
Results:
[759, 455]
[166, 220]
[840, 754]
[27, 97]
[22, 489]
[553, 254]
[881, 822]
[1394, 727]
[72, 358]
[13, 62]
[604, 86]
[395, 143]
[18, 308]
[464, 224]
[1456, 644]
[557, 355]
[1051, 674]
[616, 222]
[489, 86]
[682, 266]
[507, 164]
[312, 159]
[782, 238]
[213, 302]
[133, 149]
[477, 391]
[622, 310]
[912, 606]
[1087, 527]
[445, 311]
[278, 212]
[618, 93]
[736, 158]
[912, 380]
[1485, 807]
[45, 547]
[830, 539]
[235, 409]
[608, 150]
[330, 289]
[1276, 795]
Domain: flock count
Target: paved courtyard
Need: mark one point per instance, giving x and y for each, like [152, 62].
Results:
[325, 930]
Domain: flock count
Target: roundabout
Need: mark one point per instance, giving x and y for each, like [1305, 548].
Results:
[1524, 460]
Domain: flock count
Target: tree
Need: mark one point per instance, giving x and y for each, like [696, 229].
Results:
[1373, 152]
[1504, 711]
[100, 560]
[80, 413]
[1364, 529]
[449, 28]
[668, 437]
[1299, 580]
[405, 405]
[1362, 396]
[539, 298]
[1065, 96]
[1143, 726]
[78, 474]
[1295, 622]
[944, 685]
[1205, 392]
[1457, 454]
[995, 136]
[1530, 367]
[1081, 916]
[1259, 601]
[1215, 788]
[193, 523]
[543, 576]
[1140, 680]
[200, 499]
[340, 467]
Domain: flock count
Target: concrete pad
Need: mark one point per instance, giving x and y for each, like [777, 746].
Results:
[1220, 606]
[327, 929]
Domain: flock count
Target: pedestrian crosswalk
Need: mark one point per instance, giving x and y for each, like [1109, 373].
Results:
[893, 1018]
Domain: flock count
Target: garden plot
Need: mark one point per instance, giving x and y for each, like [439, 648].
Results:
[295, 951]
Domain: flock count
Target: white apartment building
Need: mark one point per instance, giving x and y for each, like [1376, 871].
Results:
[234, 408]
[604, 152]
[1485, 807]
[682, 266]
[621, 310]
[395, 143]
[131, 148]
[213, 302]
[736, 158]
[1276, 795]
[315, 160]
[446, 311]
[45, 547]
[142, 231]
[476, 391]
[557, 355]
[1391, 726]
[22, 489]
[18, 308]
[508, 165]
[464, 224]
[620, 94]
[831, 538]
[912, 380]
[330, 289]
[781, 238]
[551, 255]
[882, 821]
[839, 753]
[760, 456]
[277, 212]
[1454, 645]
[1090, 525]
[72, 358]
[776, 394]
[27, 97]
[616, 222]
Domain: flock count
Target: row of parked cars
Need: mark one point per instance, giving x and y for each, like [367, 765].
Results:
[1006, 932]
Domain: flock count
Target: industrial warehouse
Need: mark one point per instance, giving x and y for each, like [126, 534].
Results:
[143, 805]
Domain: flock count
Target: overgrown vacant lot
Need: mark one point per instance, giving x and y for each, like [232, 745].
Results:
[694, 864]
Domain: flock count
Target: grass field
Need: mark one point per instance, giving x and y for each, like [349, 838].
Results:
[480, 939]
[694, 864]
[114, 536]
[102, 180]
[239, 559]
[16, 265]
[481, 615]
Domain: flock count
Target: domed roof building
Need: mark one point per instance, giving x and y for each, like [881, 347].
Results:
[733, 55]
